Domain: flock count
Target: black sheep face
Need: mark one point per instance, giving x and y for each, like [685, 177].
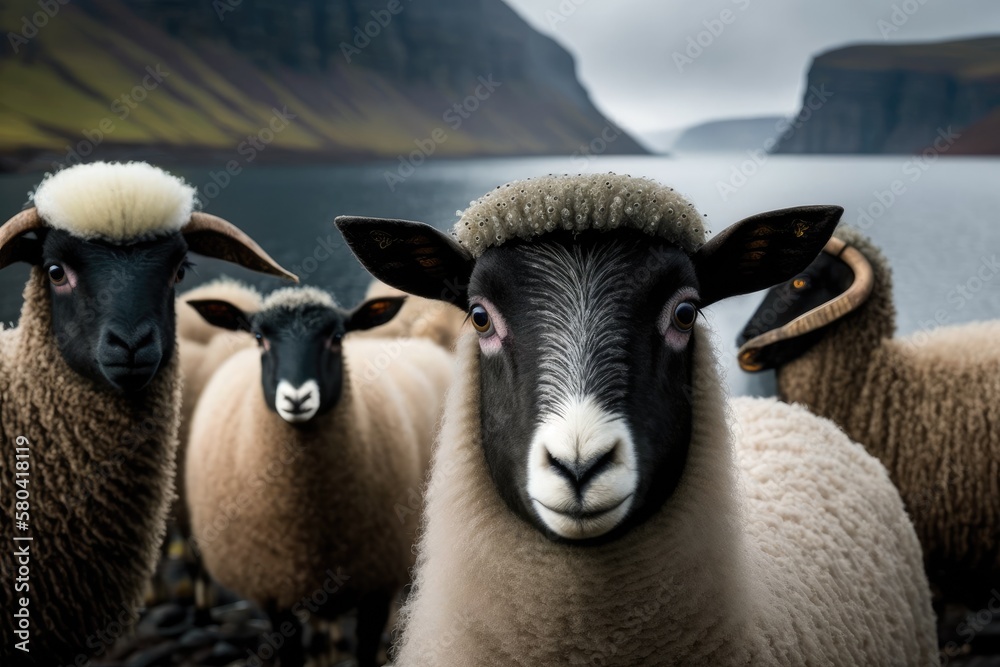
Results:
[586, 351]
[585, 371]
[301, 347]
[113, 305]
[826, 278]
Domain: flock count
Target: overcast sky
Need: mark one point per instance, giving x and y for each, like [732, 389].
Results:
[757, 64]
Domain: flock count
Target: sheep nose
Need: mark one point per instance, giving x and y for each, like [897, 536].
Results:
[130, 357]
[297, 404]
[579, 473]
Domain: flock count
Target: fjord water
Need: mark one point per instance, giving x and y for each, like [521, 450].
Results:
[937, 221]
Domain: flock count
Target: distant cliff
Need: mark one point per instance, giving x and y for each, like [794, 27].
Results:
[210, 80]
[900, 98]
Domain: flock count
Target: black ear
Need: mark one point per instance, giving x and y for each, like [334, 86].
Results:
[221, 314]
[410, 256]
[763, 250]
[374, 312]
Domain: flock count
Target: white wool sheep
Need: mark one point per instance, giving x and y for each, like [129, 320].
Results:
[89, 389]
[588, 503]
[320, 477]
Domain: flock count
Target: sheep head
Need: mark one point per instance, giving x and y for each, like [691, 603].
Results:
[300, 333]
[796, 314]
[113, 240]
[586, 331]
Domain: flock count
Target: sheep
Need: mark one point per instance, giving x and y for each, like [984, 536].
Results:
[314, 485]
[89, 392]
[418, 318]
[928, 405]
[587, 503]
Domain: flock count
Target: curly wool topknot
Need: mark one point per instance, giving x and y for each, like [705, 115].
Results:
[296, 297]
[532, 207]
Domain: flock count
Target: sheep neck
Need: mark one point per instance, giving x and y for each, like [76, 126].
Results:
[491, 588]
[831, 376]
[102, 467]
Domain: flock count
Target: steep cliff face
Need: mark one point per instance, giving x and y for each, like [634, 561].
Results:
[359, 78]
[896, 98]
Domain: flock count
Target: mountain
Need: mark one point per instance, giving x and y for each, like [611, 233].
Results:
[901, 98]
[730, 135]
[213, 81]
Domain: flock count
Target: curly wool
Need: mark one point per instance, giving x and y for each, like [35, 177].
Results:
[114, 202]
[529, 208]
[330, 505]
[785, 544]
[101, 473]
[928, 406]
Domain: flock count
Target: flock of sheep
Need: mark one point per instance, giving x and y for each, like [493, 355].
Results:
[523, 419]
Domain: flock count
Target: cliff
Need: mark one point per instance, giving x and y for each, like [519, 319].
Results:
[897, 98]
[192, 81]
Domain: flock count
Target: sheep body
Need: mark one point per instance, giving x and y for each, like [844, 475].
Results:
[786, 544]
[419, 318]
[928, 406]
[321, 500]
[90, 449]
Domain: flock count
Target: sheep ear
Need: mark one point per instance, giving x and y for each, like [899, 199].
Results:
[214, 237]
[763, 250]
[14, 247]
[221, 314]
[374, 312]
[410, 256]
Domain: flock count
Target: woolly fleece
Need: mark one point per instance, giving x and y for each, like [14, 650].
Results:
[785, 544]
[114, 202]
[418, 318]
[528, 208]
[102, 470]
[928, 406]
[337, 496]
[202, 349]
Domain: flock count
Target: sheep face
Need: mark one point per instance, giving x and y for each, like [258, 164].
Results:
[585, 367]
[796, 314]
[113, 305]
[586, 350]
[300, 333]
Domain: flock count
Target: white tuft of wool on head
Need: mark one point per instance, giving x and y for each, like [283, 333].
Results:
[528, 208]
[296, 297]
[114, 202]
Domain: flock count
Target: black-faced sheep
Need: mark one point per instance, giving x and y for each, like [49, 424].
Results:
[89, 385]
[928, 405]
[314, 480]
[588, 504]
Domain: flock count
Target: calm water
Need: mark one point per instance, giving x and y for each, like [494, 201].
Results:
[941, 227]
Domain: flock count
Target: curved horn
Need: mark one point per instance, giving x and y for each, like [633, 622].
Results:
[214, 237]
[12, 248]
[823, 314]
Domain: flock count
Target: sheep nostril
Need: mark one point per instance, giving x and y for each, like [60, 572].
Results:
[580, 473]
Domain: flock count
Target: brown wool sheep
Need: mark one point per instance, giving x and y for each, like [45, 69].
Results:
[314, 481]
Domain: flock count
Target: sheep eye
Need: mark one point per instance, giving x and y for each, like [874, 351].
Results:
[260, 338]
[800, 283]
[57, 275]
[684, 316]
[481, 320]
[179, 276]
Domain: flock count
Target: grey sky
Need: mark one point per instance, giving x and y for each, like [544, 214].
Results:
[755, 66]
